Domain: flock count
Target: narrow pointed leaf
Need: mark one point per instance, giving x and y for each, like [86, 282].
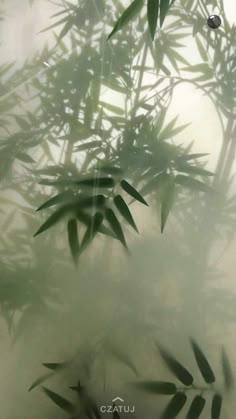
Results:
[115, 226]
[202, 363]
[227, 371]
[175, 406]
[55, 365]
[102, 182]
[93, 227]
[156, 387]
[40, 380]
[196, 408]
[193, 169]
[164, 7]
[60, 401]
[52, 220]
[124, 210]
[127, 15]
[193, 184]
[191, 157]
[152, 13]
[57, 199]
[167, 204]
[73, 238]
[25, 158]
[176, 368]
[132, 192]
[216, 406]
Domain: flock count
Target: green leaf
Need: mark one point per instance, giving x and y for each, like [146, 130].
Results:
[164, 7]
[193, 169]
[97, 182]
[132, 192]
[216, 406]
[73, 239]
[176, 368]
[156, 387]
[227, 371]
[196, 408]
[193, 156]
[152, 14]
[25, 158]
[175, 406]
[57, 199]
[167, 203]
[60, 401]
[202, 363]
[124, 210]
[93, 228]
[53, 219]
[55, 365]
[192, 183]
[115, 226]
[127, 15]
[66, 29]
[40, 380]
[112, 108]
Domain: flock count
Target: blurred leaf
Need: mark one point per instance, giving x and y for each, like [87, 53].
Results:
[196, 408]
[167, 203]
[127, 15]
[164, 7]
[59, 401]
[97, 182]
[115, 225]
[25, 158]
[176, 368]
[192, 183]
[191, 157]
[55, 365]
[40, 380]
[152, 13]
[73, 239]
[193, 169]
[216, 406]
[132, 192]
[227, 371]
[93, 227]
[175, 406]
[124, 210]
[57, 199]
[202, 363]
[156, 387]
[53, 219]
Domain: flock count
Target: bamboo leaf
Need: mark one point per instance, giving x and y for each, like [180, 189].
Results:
[57, 199]
[193, 156]
[124, 210]
[187, 168]
[156, 387]
[202, 363]
[175, 406]
[176, 368]
[93, 228]
[115, 226]
[152, 14]
[216, 406]
[25, 158]
[132, 192]
[60, 401]
[196, 408]
[40, 380]
[55, 365]
[127, 15]
[164, 7]
[73, 239]
[227, 371]
[192, 183]
[167, 203]
[97, 182]
[53, 219]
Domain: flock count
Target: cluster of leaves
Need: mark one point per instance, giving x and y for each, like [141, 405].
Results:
[180, 398]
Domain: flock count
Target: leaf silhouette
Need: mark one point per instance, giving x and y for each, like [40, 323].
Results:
[40, 380]
[164, 7]
[196, 408]
[93, 227]
[152, 14]
[73, 239]
[124, 210]
[115, 225]
[97, 182]
[227, 371]
[216, 406]
[194, 170]
[60, 401]
[127, 15]
[202, 363]
[156, 387]
[55, 365]
[176, 368]
[167, 203]
[191, 183]
[175, 406]
[132, 192]
[53, 219]
[57, 199]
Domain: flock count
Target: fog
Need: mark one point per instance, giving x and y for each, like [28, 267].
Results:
[108, 314]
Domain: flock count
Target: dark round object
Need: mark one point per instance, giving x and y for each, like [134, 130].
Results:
[214, 21]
